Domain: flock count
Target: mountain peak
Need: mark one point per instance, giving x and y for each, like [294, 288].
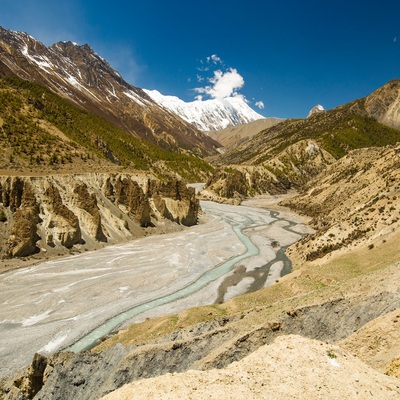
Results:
[315, 110]
[208, 115]
[79, 74]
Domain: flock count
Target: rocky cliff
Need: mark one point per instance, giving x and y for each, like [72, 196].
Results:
[62, 213]
[384, 104]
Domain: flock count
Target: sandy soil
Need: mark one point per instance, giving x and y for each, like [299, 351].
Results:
[378, 342]
[292, 367]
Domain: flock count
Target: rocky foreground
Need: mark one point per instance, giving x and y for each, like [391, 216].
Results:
[292, 367]
[340, 302]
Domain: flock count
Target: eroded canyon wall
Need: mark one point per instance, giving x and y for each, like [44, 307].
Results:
[60, 213]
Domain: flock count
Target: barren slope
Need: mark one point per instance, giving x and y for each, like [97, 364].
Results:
[291, 367]
[229, 137]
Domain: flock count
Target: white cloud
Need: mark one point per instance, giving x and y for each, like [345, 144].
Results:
[199, 97]
[223, 84]
[215, 59]
[259, 104]
[199, 78]
[240, 96]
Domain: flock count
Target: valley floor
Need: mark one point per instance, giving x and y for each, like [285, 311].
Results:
[50, 305]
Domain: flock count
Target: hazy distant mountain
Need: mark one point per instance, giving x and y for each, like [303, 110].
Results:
[82, 76]
[208, 115]
[231, 136]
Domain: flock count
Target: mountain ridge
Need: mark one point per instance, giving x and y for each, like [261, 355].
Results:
[208, 115]
[83, 77]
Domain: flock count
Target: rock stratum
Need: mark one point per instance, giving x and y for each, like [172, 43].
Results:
[59, 214]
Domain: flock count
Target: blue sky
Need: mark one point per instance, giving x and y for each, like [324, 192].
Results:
[286, 55]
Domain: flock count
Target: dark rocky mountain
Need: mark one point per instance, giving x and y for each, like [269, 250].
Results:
[83, 77]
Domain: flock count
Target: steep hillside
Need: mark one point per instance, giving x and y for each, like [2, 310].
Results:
[291, 168]
[42, 132]
[384, 104]
[84, 78]
[337, 131]
[354, 202]
[229, 137]
[292, 152]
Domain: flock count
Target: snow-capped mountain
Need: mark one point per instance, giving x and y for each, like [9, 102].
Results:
[208, 115]
[315, 110]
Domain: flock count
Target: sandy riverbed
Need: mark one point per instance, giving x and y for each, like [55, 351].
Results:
[48, 306]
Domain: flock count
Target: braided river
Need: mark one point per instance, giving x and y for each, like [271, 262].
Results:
[71, 303]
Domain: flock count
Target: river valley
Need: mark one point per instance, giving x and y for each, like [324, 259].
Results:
[49, 306]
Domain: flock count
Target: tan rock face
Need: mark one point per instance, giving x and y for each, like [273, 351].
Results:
[23, 238]
[53, 214]
[384, 104]
[63, 225]
[88, 203]
[176, 202]
[129, 193]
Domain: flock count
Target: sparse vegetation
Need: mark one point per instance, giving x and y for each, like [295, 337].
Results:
[25, 108]
[331, 354]
[3, 217]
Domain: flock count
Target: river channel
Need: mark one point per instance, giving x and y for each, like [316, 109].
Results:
[73, 302]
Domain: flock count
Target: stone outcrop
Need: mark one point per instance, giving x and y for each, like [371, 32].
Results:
[23, 238]
[129, 194]
[88, 203]
[175, 202]
[63, 225]
[56, 214]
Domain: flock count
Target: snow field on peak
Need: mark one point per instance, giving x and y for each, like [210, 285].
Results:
[208, 115]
